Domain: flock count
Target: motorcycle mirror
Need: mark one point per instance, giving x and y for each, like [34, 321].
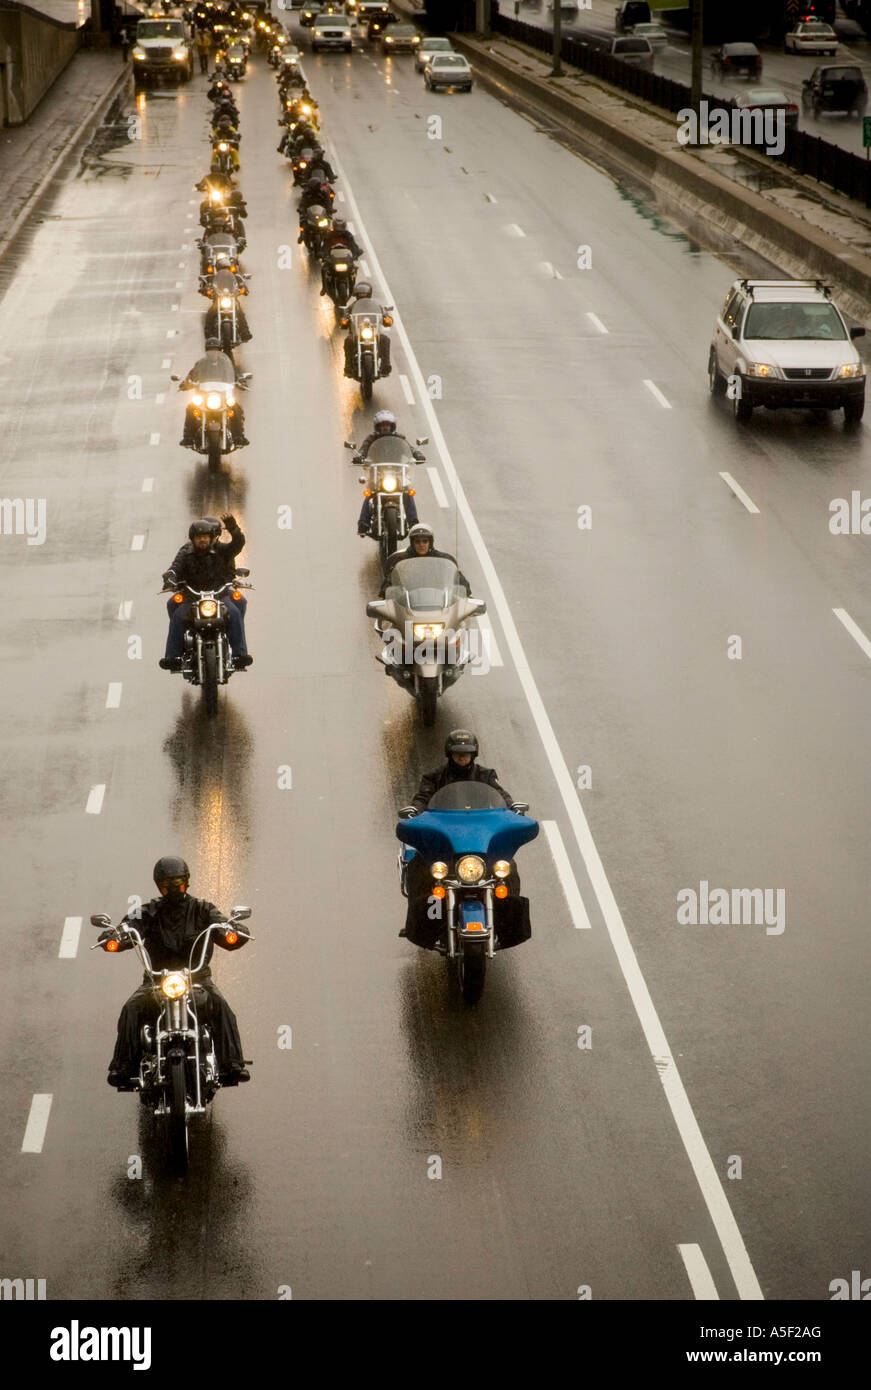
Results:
[175, 378]
[362, 477]
[423, 441]
[349, 444]
[521, 807]
[375, 609]
[241, 913]
[101, 920]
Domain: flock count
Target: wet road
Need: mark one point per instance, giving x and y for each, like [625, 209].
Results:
[716, 1126]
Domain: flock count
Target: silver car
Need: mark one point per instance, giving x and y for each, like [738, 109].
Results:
[448, 70]
[428, 49]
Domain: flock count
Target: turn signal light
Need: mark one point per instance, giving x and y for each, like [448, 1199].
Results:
[411, 492]
[231, 937]
[367, 492]
[237, 594]
[387, 321]
[501, 890]
[111, 945]
[178, 598]
[438, 890]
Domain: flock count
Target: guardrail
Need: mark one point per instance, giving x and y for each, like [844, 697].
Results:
[838, 168]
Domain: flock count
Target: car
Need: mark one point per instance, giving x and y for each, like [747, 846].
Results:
[769, 100]
[376, 20]
[400, 38]
[840, 87]
[630, 13]
[654, 33]
[308, 14]
[637, 52]
[733, 59]
[448, 70]
[785, 343]
[332, 31]
[162, 49]
[811, 36]
[429, 46]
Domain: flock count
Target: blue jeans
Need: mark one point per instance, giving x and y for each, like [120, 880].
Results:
[235, 627]
[365, 518]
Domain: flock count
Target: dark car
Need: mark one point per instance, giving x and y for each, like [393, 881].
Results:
[376, 22]
[738, 60]
[629, 13]
[839, 87]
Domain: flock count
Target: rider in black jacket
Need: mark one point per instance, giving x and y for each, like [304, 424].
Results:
[169, 925]
[421, 545]
[461, 750]
[207, 565]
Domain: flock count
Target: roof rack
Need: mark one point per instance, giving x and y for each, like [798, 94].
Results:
[820, 285]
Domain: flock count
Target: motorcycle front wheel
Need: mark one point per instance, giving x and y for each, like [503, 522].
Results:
[210, 682]
[214, 456]
[178, 1128]
[366, 378]
[472, 969]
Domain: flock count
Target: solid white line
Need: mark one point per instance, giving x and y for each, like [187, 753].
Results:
[155, 438]
[491, 648]
[69, 942]
[657, 394]
[147, 484]
[566, 877]
[739, 493]
[113, 696]
[137, 543]
[125, 610]
[440, 495]
[703, 1166]
[597, 323]
[854, 630]
[365, 269]
[95, 799]
[406, 388]
[699, 1275]
[37, 1123]
[518, 231]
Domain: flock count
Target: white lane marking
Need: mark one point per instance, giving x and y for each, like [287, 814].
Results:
[181, 265]
[155, 438]
[137, 543]
[174, 308]
[179, 284]
[564, 869]
[147, 484]
[706, 1174]
[597, 323]
[549, 269]
[657, 394]
[37, 1124]
[365, 269]
[340, 195]
[515, 230]
[113, 695]
[69, 941]
[406, 389]
[167, 362]
[192, 202]
[125, 610]
[440, 495]
[854, 629]
[492, 654]
[739, 493]
[489, 197]
[95, 799]
[160, 398]
[700, 1277]
[172, 333]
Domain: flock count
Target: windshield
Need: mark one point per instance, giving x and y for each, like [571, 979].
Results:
[225, 282]
[447, 61]
[389, 449]
[466, 796]
[436, 45]
[160, 29]
[783, 322]
[424, 583]
[215, 367]
[841, 75]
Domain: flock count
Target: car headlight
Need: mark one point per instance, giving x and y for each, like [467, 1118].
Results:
[761, 369]
[174, 986]
[423, 631]
[851, 369]
[502, 868]
[388, 40]
[213, 401]
[415, 39]
[208, 608]
[139, 53]
[226, 301]
[180, 55]
[439, 870]
[198, 400]
[470, 868]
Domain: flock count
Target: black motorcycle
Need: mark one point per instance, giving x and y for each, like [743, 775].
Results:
[207, 660]
[340, 275]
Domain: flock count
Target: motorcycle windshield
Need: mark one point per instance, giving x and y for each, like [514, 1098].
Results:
[389, 449]
[214, 370]
[424, 584]
[224, 282]
[491, 831]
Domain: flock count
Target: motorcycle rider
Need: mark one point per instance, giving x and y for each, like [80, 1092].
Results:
[321, 167]
[215, 525]
[207, 565]
[384, 424]
[211, 323]
[421, 545]
[314, 191]
[169, 926]
[361, 302]
[461, 751]
[339, 235]
[214, 365]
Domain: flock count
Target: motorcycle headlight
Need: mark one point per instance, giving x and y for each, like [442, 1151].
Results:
[423, 631]
[231, 400]
[502, 868]
[470, 868]
[208, 608]
[340, 265]
[213, 401]
[851, 369]
[198, 400]
[366, 333]
[223, 147]
[439, 870]
[174, 986]
[388, 483]
[226, 301]
[323, 222]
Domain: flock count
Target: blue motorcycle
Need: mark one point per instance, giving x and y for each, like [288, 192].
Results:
[456, 868]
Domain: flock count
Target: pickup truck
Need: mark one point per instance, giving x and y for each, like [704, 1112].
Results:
[163, 48]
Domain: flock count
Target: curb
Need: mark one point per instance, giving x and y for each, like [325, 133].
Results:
[85, 127]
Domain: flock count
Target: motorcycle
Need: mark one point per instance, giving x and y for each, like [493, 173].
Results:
[422, 621]
[178, 1073]
[341, 276]
[207, 660]
[299, 163]
[468, 837]
[367, 352]
[236, 63]
[224, 289]
[218, 251]
[387, 482]
[225, 157]
[212, 407]
[315, 226]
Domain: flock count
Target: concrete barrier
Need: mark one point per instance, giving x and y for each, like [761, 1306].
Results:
[34, 50]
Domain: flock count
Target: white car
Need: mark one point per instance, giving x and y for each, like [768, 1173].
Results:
[654, 33]
[637, 52]
[448, 70]
[428, 48]
[784, 343]
[811, 36]
[332, 31]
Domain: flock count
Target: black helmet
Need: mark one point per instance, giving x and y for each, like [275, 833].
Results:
[421, 532]
[340, 224]
[362, 289]
[204, 527]
[461, 741]
[388, 419]
[171, 870]
[313, 182]
[212, 343]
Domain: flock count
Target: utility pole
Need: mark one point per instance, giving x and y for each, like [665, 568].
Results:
[557, 69]
[481, 16]
[696, 56]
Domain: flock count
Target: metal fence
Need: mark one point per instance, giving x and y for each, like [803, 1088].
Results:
[838, 168]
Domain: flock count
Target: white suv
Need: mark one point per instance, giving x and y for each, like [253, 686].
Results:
[785, 343]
